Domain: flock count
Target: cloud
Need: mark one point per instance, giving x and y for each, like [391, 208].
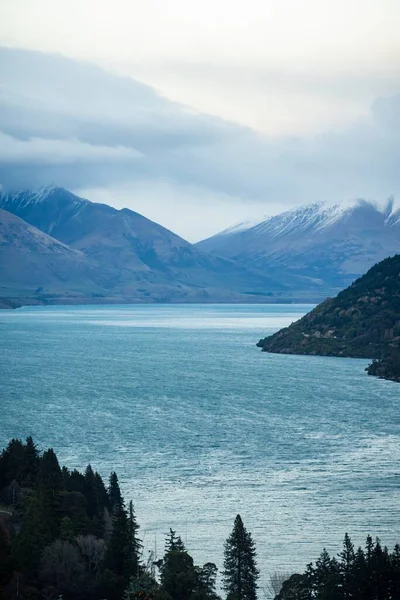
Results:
[74, 124]
[49, 152]
[279, 66]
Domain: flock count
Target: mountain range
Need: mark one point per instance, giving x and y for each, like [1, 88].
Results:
[331, 245]
[58, 247]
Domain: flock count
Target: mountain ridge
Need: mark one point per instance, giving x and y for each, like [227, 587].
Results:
[331, 243]
[143, 260]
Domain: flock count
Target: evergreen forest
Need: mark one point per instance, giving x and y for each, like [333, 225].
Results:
[363, 321]
[69, 535]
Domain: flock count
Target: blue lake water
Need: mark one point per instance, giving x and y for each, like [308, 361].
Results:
[200, 425]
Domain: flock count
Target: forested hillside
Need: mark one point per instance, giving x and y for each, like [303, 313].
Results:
[64, 534]
[363, 321]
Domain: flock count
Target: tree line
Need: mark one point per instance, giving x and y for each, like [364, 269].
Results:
[65, 534]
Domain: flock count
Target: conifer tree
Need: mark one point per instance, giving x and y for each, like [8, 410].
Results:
[119, 556]
[359, 573]
[30, 464]
[114, 492]
[174, 542]
[240, 573]
[206, 581]
[380, 569]
[101, 492]
[327, 577]
[90, 492]
[11, 462]
[134, 542]
[50, 478]
[178, 574]
[347, 560]
[395, 569]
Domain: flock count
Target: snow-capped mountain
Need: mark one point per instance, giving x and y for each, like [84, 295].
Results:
[333, 244]
[132, 256]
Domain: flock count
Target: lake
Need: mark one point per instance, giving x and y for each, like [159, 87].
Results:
[200, 425]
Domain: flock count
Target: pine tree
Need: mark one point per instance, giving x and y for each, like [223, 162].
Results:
[119, 557]
[30, 464]
[114, 493]
[76, 482]
[101, 492]
[327, 577]
[360, 573]
[174, 542]
[206, 581]
[380, 567]
[90, 493]
[240, 573]
[395, 569]
[11, 462]
[178, 574]
[50, 478]
[347, 559]
[134, 542]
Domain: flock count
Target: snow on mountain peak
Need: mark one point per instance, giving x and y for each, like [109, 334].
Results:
[315, 216]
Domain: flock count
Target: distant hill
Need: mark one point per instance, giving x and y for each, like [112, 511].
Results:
[132, 258]
[363, 321]
[330, 244]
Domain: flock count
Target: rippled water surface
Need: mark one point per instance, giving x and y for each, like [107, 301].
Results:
[200, 425]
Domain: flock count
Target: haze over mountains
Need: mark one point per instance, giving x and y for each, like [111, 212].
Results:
[57, 247]
[333, 245]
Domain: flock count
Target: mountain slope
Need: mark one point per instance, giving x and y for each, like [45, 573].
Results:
[331, 244]
[135, 251]
[30, 259]
[363, 321]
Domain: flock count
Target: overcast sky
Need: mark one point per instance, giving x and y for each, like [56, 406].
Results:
[199, 114]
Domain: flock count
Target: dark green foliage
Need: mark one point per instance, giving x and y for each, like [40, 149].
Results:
[294, 588]
[36, 533]
[53, 550]
[50, 478]
[67, 529]
[372, 574]
[58, 539]
[174, 542]
[114, 493]
[206, 581]
[178, 574]
[73, 505]
[11, 463]
[6, 563]
[387, 367]
[96, 497]
[76, 482]
[240, 572]
[119, 555]
[346, 568]
[362, 321]
[135, 544]
[143, 587]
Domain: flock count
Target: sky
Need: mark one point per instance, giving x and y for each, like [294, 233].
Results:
[201, 114]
